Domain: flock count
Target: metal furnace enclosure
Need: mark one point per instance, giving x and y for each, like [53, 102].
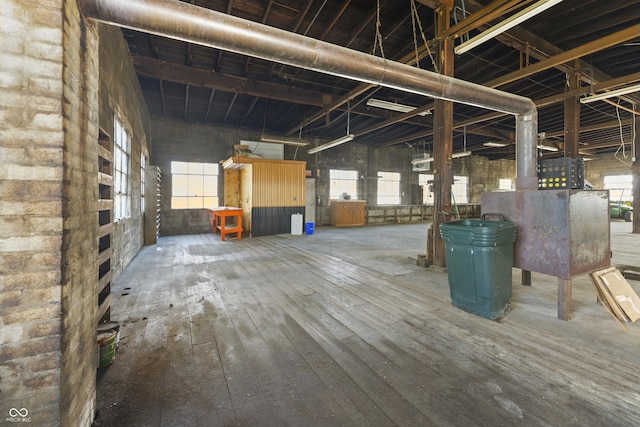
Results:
[562, 233]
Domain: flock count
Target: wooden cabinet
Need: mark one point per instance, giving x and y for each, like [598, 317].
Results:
[348, 212]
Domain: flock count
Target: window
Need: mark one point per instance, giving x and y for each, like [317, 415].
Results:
[505, 184]
[458, 190]
[427, 188]
[194, 185]
[121, 152]
[620, 187]
[389, 188]
[143, 179]
[343, 181]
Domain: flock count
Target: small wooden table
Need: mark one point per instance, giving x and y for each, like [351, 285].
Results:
[218, 218]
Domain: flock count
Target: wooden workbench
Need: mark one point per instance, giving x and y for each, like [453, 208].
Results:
[218, 221]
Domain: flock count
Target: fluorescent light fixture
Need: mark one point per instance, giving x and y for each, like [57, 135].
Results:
[547, 147]
[420, 161]
[503, 26]
[495, 144]
[282, 141]
[341, 140]
[386, 105]
[611, 94]
[461, 154]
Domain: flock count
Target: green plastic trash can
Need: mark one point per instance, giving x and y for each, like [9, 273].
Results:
[479, 255]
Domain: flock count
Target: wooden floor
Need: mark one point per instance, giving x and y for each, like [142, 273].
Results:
[341, 328]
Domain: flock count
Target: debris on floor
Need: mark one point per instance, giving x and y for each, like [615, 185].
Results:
[617, 296]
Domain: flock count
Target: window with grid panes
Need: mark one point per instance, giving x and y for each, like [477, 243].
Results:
[389, 188]
[194, 185]
[121, 155]
[343, 181]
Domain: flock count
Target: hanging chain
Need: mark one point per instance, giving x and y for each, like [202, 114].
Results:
[415, 35]
[378, 41]
[416, 18]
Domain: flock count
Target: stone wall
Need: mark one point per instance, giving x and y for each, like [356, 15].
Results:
[120, 94]
[31, 228]
[47, 214]
[80, 219]
[48, 205]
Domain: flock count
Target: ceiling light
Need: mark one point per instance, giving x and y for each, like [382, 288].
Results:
[495, 144]
[341, 140]
[283, 141]
[508, 23]
[461, 154]
[386, 105]
[611, 94]
[547, 147]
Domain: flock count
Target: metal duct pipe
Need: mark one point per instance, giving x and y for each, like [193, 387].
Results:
[194, 24]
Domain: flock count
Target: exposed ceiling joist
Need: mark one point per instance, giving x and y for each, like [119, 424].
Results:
[177, 73]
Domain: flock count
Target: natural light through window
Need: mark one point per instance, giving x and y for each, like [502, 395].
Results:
[121, 153]
[389, 188]
[620, 187]
[459, 190]
[194, 185]
[343, 181]
[505, 184]
[427, 188]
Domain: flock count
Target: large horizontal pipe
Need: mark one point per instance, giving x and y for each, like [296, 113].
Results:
[183, 21]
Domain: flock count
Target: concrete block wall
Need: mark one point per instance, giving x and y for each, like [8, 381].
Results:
[175, 140]
[484, 174]
[368, 162]
[47, 306]
[179, 141]
[605, 165]
[120, 94]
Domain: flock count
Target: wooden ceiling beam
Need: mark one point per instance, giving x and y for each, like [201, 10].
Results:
[594, 127]
[409, 59]
[540, 103]
[231, 104]
[363, 24]
[163, 70]
[206, 114]
[219, 58]
[337, 16]
[595, 46]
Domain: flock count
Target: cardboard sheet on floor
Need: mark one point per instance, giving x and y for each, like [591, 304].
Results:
[615, 292]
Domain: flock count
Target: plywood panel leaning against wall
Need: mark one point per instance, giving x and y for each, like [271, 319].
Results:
[268, 191]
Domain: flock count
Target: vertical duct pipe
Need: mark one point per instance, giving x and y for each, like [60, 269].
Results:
[194, 24]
